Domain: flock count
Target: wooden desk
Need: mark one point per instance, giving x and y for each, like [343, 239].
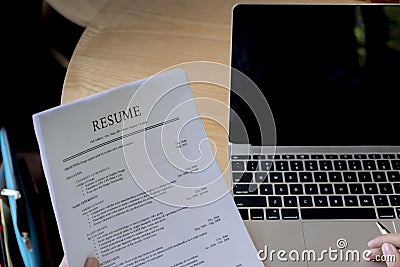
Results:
[129, 40]
[81, 12]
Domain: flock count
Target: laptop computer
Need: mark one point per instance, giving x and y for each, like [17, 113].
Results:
[315, 167]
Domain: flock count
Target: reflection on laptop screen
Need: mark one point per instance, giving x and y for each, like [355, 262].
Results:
[331, 74]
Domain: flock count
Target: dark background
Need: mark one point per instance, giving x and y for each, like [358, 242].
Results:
[33, 33]
[37, 45]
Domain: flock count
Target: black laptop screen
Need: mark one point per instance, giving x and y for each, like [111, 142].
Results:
[330, 73]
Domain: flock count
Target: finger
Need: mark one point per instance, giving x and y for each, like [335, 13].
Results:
[92, 262]
[63, 262]
[392, 255]
[381, 239]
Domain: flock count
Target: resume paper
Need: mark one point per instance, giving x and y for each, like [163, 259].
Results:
[134, 181]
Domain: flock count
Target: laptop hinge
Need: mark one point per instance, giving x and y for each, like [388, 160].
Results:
[244, 149]
[239, 149]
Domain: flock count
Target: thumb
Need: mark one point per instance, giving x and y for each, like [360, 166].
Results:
[392, 255]
[92, 262]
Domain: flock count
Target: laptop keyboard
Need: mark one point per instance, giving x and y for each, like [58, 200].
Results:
[316, 186]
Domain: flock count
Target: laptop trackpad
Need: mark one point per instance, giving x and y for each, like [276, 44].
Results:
[341, 243]
[271, 236]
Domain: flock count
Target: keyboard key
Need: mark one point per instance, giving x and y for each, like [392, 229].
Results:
[281, 165]
[366, 201]
[383, 164]
[345, 156]
[244, 213]
[335, 177]
[326, 189]
[381, 201]
[250, 201]
[360, 156]
[395, 164]
[354, 165]
[252, 165]
[388, 156]
[242, 177]
[291, 177]
[371, 189]
[331, 156]
[237, 165]
[290, 201]
[272, 214]
[281, 189]
[325, 165]
[296, 165]
[317, 156]
[385, 188]
[369, 165]
[386, 213]
[374, 156]
[398, 212]
[240, 157]
[305, 201]
[320, 201]
[340, 165]
[245, 189]
[320, 177]
[267, 165]
[394, 200]
[275, 177]
[393, 176]
[350, 177]
[335, 201]
[287, 156]
[356, 189]
[379, 177]
[302, 156]
[258, 156]
[311, 189]
[274, 201]
[364, 177]
[296, 189]
[311, 165]
[261, 177]
[337, 213]
[341, 189]
[256, 214]
[266, 189]
[305, 177]
[396, 187]
[350, 201]
[290, 214]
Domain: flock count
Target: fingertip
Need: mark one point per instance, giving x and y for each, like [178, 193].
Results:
[92, 262]
[388, 249]
[392, 256]
[63, 262]
[371, 243]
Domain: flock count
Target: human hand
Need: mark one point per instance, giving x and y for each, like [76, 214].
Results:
[383, 248]
[90, 262]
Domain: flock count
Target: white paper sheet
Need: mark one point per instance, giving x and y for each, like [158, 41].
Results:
[134, 181]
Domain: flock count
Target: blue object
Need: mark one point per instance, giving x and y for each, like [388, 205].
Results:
[21, 214]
